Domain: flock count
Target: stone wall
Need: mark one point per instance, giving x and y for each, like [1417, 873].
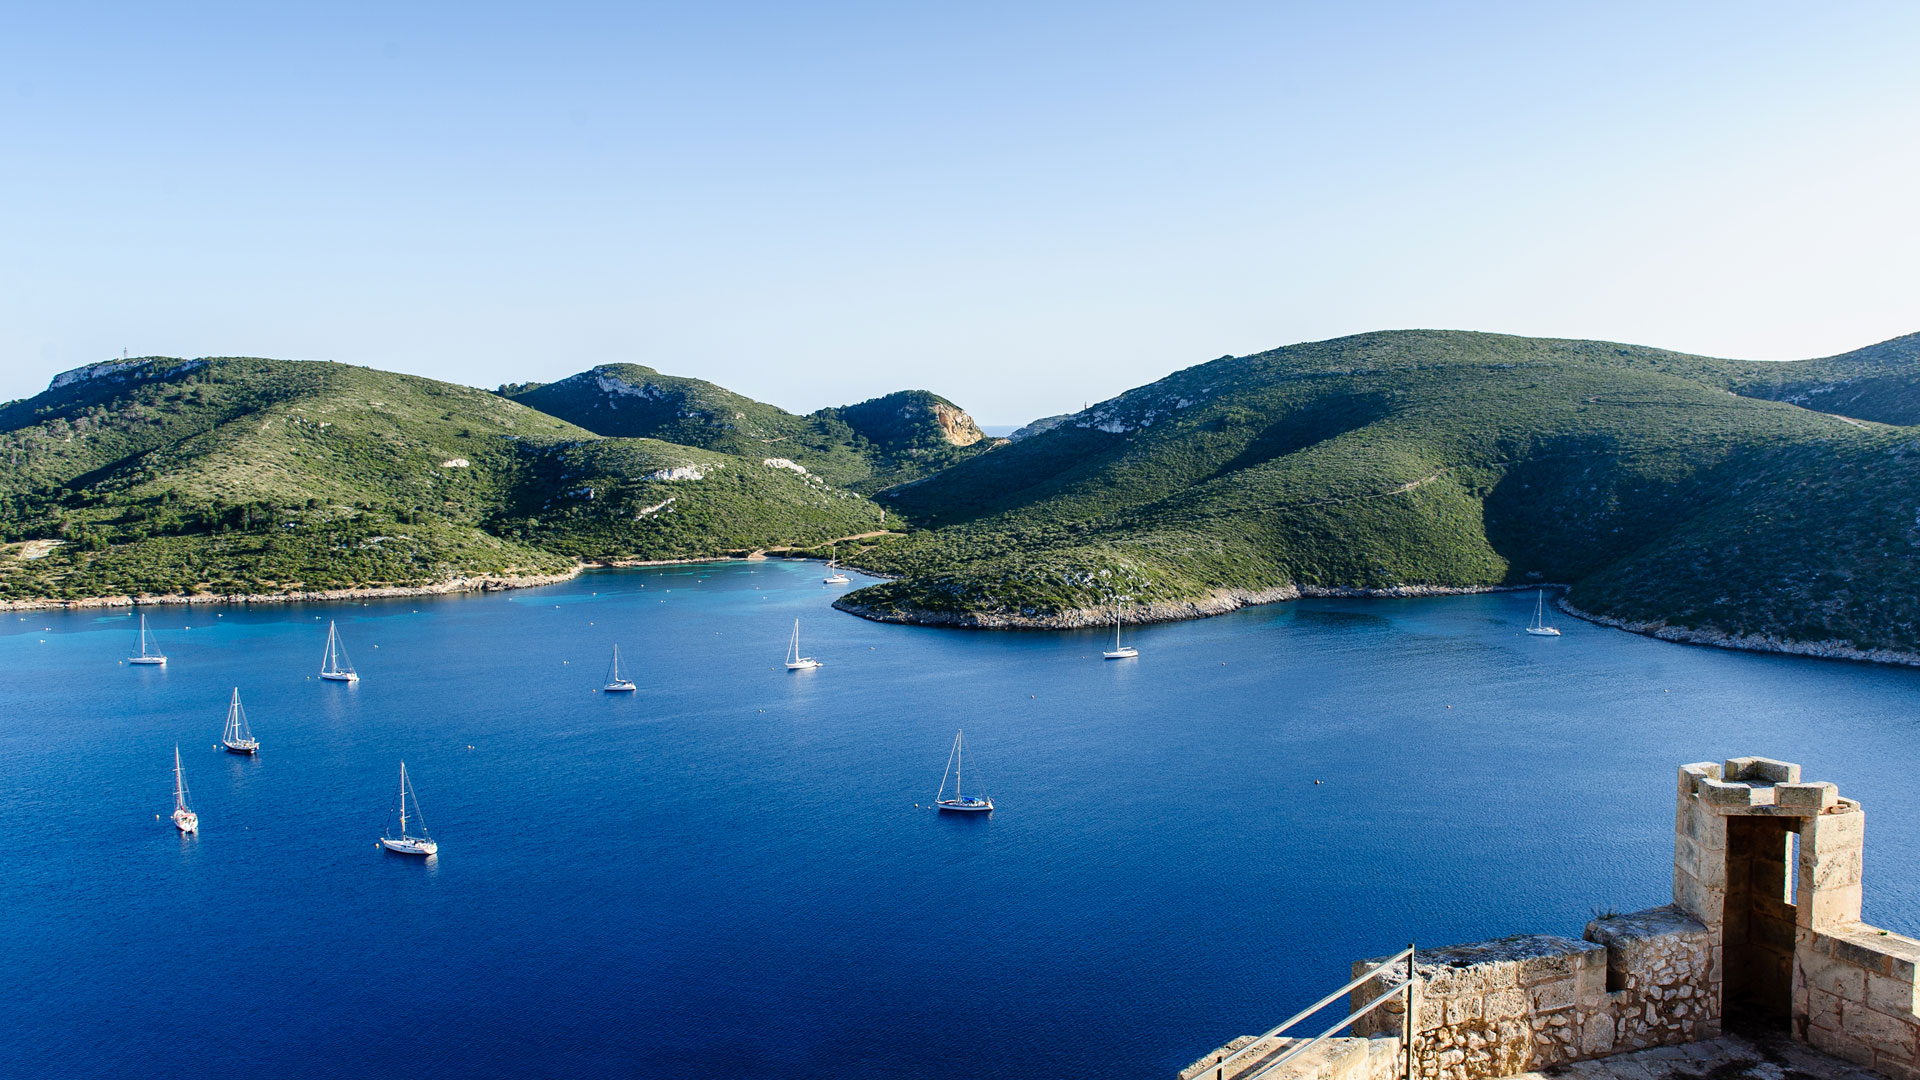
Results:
[1859, 986]
[1495, 1008]
[1661, 985]
[1520, 1004]
[1757, 933]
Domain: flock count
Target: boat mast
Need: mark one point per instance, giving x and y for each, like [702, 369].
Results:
[960, 763]
[403, 799]
[179, 785]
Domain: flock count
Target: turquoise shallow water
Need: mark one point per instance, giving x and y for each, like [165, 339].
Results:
[726, 872]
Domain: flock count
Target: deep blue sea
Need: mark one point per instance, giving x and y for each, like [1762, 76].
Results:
[727, 873]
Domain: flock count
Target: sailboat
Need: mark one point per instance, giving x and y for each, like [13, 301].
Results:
[149, 652]
[1119, 651]
[405, 842]
[335, 665]
[834, 576]
[962, 804]
[616, 684]
[184, 818]
[237, 738]
[1539, 627]
[796, 662]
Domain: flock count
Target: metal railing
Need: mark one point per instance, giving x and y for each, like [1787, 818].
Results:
[1406, 1028]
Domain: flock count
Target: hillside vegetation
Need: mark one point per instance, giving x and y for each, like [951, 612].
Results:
[248, 475]
[864, 447]
[1776, 501]
[1445, 459]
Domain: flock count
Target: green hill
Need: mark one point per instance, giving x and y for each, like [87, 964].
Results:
[1768, 501]
[865, 447]
[240, 475]
[1457, 460]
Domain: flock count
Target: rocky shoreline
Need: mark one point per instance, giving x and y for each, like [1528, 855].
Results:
[1756, 643]
[480, 583]
[1218, 602]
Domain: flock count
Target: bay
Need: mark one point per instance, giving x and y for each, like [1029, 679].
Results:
[727, 871]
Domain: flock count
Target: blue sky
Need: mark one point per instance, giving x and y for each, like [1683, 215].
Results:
[1020, 206]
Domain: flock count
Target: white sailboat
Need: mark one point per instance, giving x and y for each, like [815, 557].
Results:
[1539, 627]
[237, 738]
[402, 840]
[961, 804]
[149, 652]
[834, 576]
[616, 684]
[796, 662]
[1119, 651]
[184, 818]
[334, 665]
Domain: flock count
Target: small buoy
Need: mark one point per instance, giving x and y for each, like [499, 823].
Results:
[1319, 781]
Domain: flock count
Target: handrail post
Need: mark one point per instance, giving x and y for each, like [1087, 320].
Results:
[1406, 1028]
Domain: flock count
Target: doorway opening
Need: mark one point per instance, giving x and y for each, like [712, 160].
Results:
[1757, 936]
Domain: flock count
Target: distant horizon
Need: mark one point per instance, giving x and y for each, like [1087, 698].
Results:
[1019, 207]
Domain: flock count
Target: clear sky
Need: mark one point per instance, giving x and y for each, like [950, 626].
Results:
[1022, 206]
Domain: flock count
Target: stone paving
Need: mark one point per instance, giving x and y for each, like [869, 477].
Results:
[1730, 1057]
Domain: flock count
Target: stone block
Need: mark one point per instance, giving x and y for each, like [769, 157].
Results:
[1723, 796]
[1823, 1009]
[1691, 775]
[1596, 1038]
[1830, 868]
[1889, 995]
[1551, 996]
[1896, 1068]
[1814, 796]
[1885, 1034]
[1837, 978]
[1511, 1001]
[1763, 769]
[1833, 1041]
[1832, 908]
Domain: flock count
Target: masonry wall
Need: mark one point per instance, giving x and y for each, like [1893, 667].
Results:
[1495, 1008]
[1731, 944]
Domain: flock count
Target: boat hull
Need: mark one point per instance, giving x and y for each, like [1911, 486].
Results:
[965, 806]
[802, 665]
[186, 821]
[248, 748]
[837, 579]
[335, 676]
[1543, 631]
[150, 661]
[1127, 653]
[619, 687]
[408, 845]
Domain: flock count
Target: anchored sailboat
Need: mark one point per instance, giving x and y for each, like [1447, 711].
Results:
[616, 684]
[964, 804]
[184, 818]
[237, 738]
[334, 665]
[796, 662]
[404, 841]
[1119, 651]
[149, 652]
[1539, 627]
[834, 576]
